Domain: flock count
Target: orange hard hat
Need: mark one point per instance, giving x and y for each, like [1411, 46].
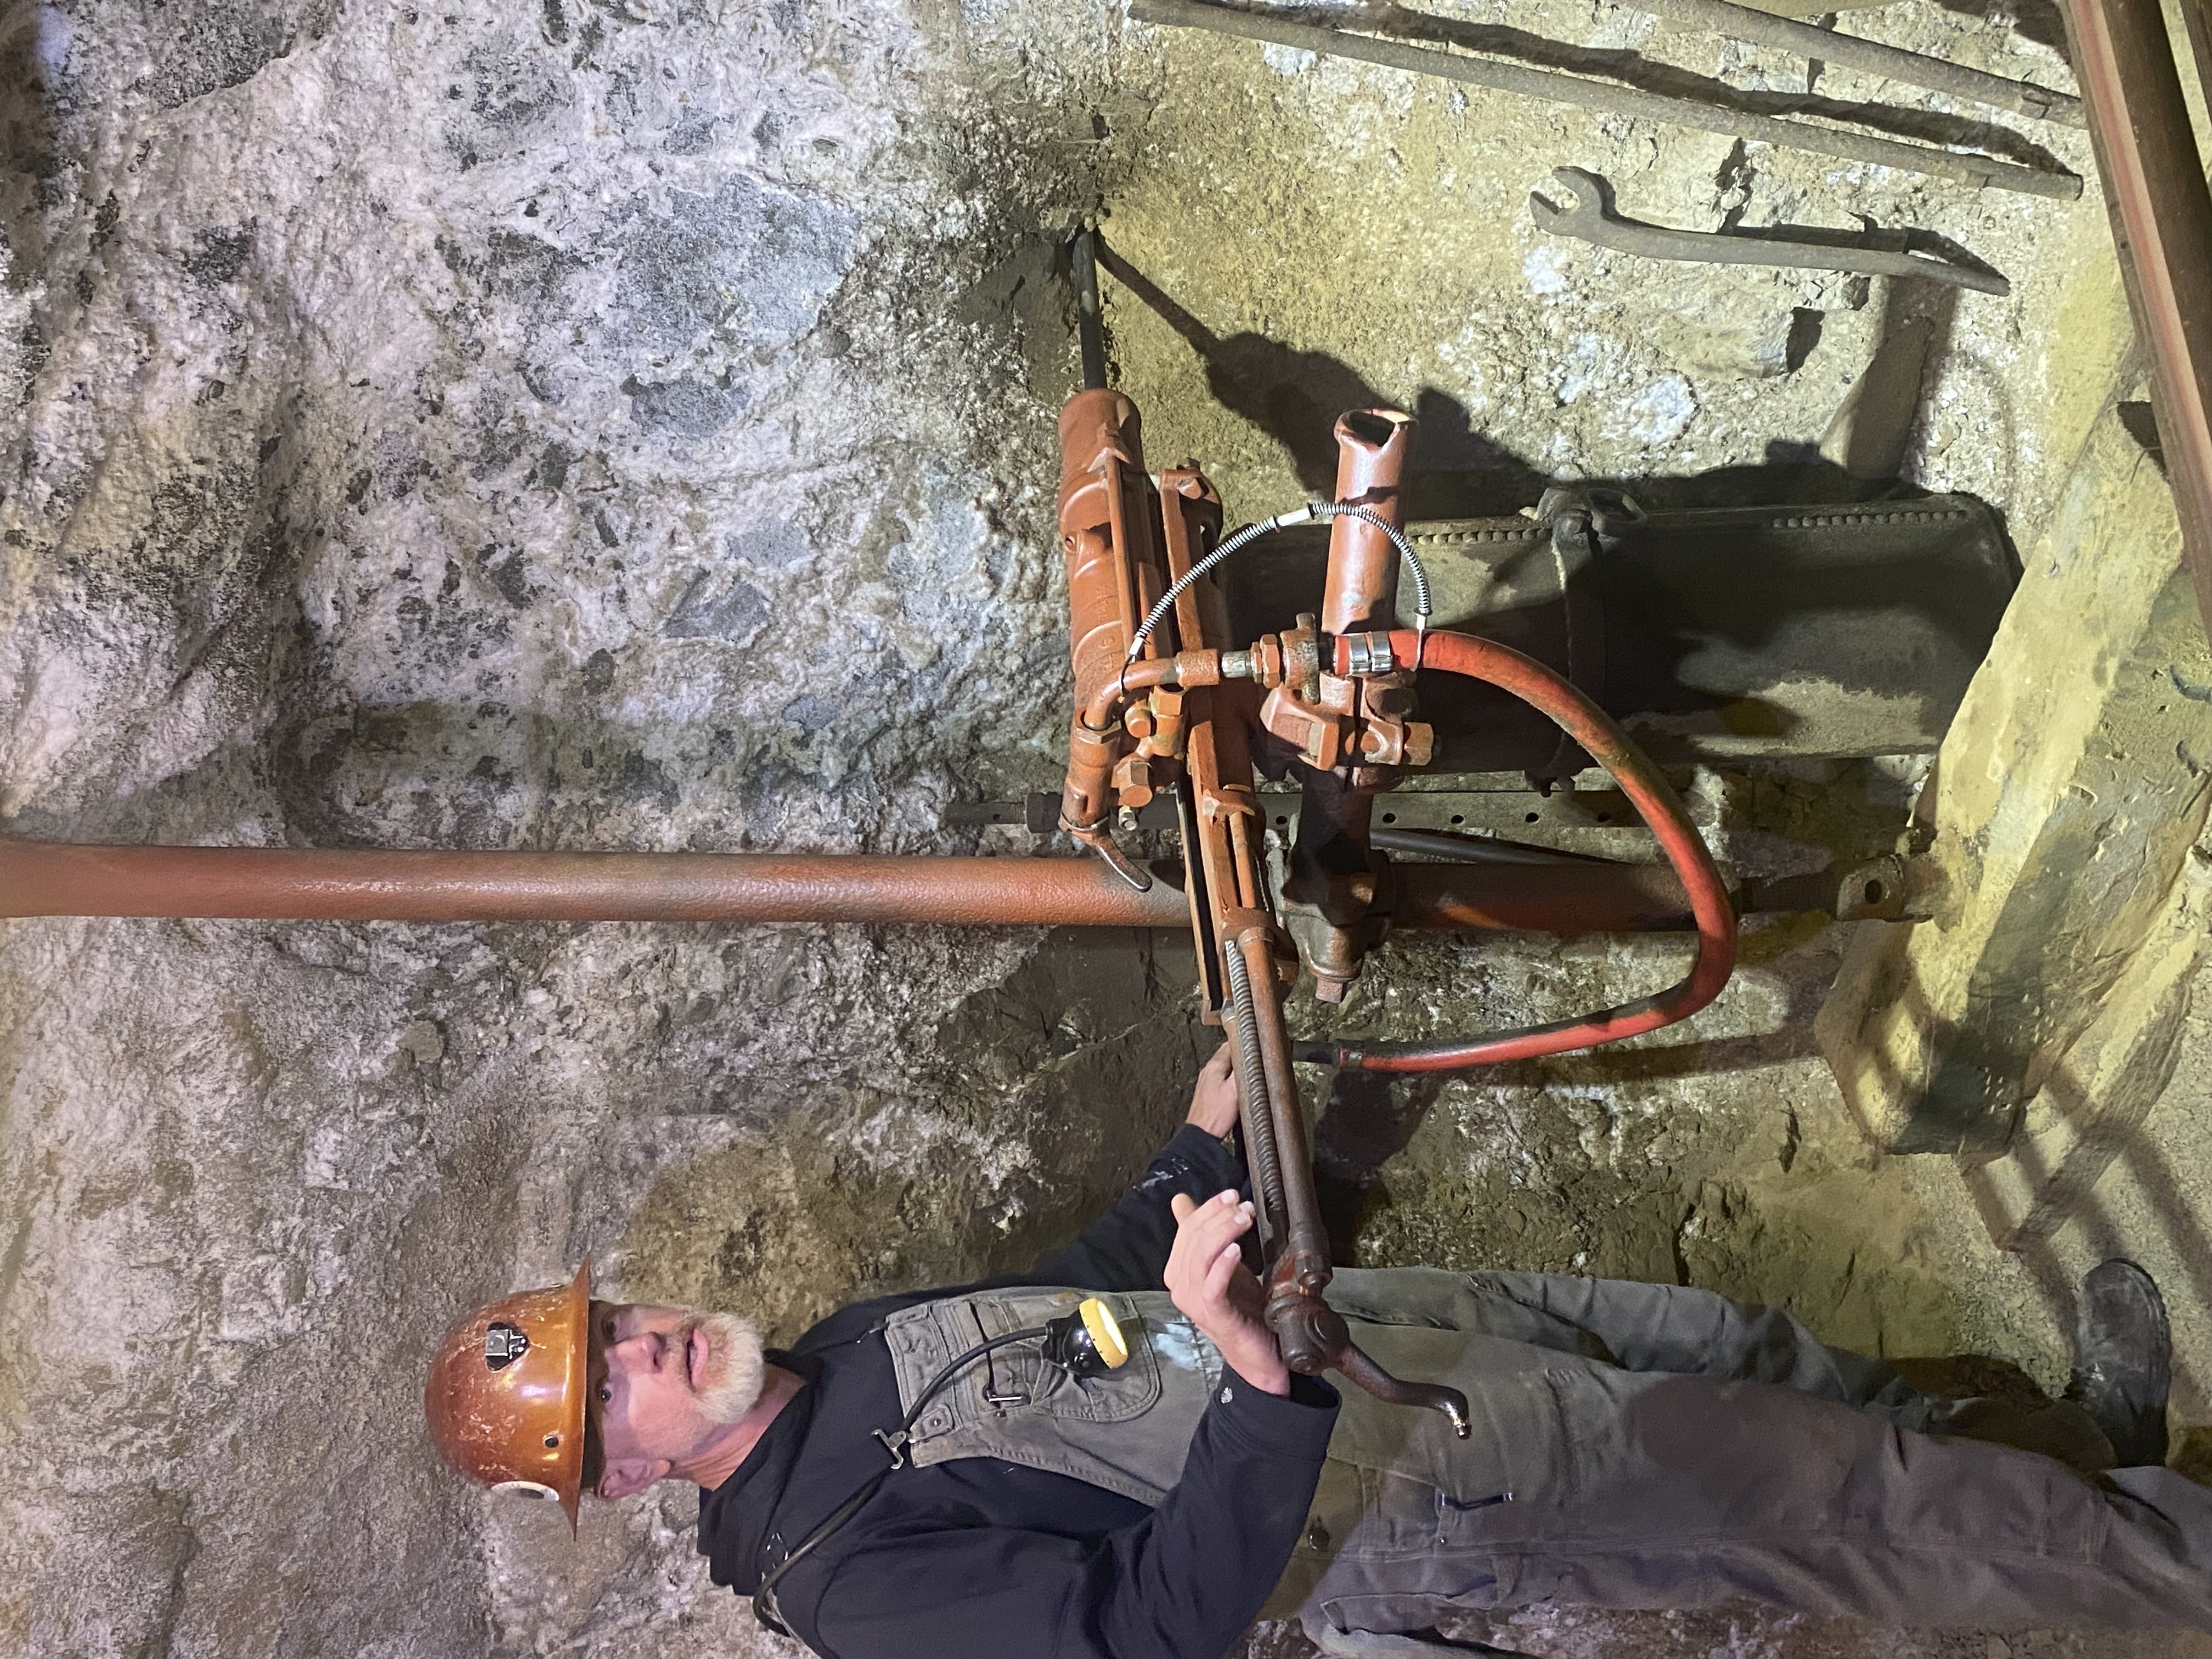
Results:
[506, 1392]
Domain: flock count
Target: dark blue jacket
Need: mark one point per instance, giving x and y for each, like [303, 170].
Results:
[975, 1558]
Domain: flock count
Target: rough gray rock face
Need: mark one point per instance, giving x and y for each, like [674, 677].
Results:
[628, 424]
[435, 429]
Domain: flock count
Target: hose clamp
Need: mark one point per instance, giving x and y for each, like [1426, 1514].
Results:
[1367, 653]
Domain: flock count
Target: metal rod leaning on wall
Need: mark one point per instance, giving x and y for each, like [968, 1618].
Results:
[2161, 213]
[1090, 323]
[52, 879]
[1978, 170]
[1592, 219]
[1913, 68]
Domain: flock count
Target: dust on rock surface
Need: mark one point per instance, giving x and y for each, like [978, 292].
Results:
[620, 425]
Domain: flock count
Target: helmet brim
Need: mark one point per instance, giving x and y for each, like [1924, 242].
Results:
[577, 1311]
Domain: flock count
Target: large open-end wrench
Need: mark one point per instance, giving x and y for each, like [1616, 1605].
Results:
[1592, 219]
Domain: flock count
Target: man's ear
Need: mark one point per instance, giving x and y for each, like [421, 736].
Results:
[624, 1476]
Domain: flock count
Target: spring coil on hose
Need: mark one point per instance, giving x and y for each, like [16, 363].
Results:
[1260, 1149]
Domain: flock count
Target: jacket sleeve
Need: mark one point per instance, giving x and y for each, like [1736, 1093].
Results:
[1182, 1583]
[1126, 1248]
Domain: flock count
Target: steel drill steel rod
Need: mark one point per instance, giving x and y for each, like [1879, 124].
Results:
[49, 878]
[1913, 68]
[2162, 215]
[1090, 323]
[1611, 99]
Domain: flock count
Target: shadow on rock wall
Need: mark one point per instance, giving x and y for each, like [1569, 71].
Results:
[1454, 471]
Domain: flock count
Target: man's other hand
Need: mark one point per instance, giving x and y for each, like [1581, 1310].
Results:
[1213, 1102]
[1207, 1279]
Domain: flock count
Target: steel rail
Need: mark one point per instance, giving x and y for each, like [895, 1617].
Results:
[2161, 213]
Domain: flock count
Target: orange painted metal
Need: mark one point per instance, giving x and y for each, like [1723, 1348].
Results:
[40, 878]
[1241, 952]
[1331, 883]
[1114, 576]
[1221, 817]
[1361, 594]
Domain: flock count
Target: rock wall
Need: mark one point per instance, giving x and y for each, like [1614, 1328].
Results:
[479, 428]
[628, 424]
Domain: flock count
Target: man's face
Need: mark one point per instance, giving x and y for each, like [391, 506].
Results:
[664, 1382]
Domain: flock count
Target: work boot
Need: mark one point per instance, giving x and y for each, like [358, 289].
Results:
[2122, 1361]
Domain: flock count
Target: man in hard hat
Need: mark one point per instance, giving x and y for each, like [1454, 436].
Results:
[1020, 1468]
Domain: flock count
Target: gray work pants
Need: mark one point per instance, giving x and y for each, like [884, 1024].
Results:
[1651, 1446]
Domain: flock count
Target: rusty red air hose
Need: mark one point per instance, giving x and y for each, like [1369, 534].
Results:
[1655, 800]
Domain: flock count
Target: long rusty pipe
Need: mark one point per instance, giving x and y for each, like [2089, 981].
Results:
[49, 878]
[2161, 213]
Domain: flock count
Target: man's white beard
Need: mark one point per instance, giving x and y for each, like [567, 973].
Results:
[731, 1385]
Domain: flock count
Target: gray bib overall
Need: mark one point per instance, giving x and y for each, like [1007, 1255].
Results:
[1129, 1431]
[1633, 1446]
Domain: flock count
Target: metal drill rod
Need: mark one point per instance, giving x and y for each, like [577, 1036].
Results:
[1913, 68]
[1590, 219]
[1089, 324]
[1978, 170]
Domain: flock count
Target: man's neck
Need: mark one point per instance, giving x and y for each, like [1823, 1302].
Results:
[718, 1459]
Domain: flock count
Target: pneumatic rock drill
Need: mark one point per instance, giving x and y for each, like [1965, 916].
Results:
[1167, 705]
